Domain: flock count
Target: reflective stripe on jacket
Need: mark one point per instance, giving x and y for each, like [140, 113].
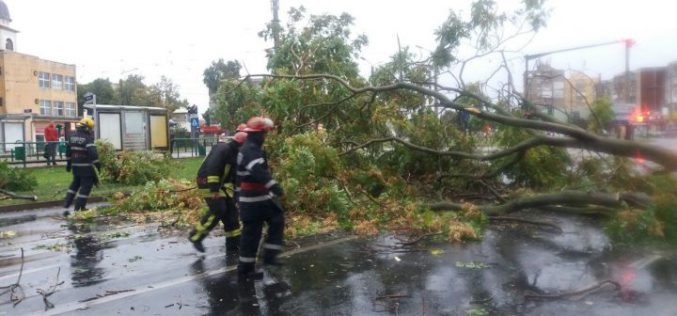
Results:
[212, 174]
[255, 181]
[81, 154]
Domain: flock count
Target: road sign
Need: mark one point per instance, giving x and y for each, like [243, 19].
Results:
[90, 98]
[194, 122]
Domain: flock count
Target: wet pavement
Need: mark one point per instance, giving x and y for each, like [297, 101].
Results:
[129, 269]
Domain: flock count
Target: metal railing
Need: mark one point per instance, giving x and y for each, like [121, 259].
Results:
[190, 147]
[24, 153]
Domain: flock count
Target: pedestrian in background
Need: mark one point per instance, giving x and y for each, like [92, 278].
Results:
[52, 139]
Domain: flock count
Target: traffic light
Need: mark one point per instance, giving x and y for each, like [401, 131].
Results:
[208, 118]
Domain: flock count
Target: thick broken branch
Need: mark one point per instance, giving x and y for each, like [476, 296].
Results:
[579, 138]
[565, 198]
[581, 293]
[19, 196]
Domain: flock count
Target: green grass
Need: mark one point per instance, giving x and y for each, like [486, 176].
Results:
[54, 181]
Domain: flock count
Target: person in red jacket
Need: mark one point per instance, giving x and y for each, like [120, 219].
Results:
[52, 138]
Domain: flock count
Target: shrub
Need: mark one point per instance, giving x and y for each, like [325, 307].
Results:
[309, 171]
[165, 194]
[14, 179]
[132, 167]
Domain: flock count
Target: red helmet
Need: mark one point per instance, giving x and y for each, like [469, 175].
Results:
[241, 127]
[259, 124]
[240, 137]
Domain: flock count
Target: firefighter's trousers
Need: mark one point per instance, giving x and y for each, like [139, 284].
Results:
[221, 209]
[254, 215]
[79, 190]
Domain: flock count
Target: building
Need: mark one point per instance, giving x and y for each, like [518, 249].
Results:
[546, 86]
[565, 95]
[624, 88]
[579, 93]
[651, 94]
[33, 91]
[647, 88]
[180, 119]
[671, 89]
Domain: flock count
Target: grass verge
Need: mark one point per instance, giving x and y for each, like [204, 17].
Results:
[54, 181]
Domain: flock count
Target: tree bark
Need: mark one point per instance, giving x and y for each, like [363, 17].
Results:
[566, 199]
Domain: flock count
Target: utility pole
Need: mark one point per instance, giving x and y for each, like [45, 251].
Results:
[628, 44]
[276, 23]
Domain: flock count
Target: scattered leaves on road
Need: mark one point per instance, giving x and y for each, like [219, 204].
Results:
[471, 265]
[7, 234]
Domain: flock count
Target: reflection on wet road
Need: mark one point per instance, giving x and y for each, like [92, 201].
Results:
[128, 269]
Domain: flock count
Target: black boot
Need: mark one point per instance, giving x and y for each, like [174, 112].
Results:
[247, 272]
[80, 204]
[196, 240]
[270, 258]
[69, 200]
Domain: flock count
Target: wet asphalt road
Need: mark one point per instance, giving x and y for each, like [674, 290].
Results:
[140, 270]
[129, 269]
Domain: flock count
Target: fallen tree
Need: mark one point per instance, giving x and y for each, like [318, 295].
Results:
[416, 136]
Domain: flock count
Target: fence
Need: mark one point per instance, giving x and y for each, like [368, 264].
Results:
[24, 153]
[191, 147]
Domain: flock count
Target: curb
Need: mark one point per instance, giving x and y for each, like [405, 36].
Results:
[43, 204]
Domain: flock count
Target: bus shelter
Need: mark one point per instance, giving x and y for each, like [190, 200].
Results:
[131, 127]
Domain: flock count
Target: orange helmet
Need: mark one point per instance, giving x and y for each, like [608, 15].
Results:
[241, 127]
[240, 137]
[259, 124]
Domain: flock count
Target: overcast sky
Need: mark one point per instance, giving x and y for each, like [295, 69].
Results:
[179, 39]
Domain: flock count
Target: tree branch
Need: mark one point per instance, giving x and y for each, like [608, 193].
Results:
[565, 198]
[581, 138]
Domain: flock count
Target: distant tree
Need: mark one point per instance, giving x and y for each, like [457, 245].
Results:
[218, 71]
[602, 116]
[102, 88]
[132, 91]
[166, 94]
[210, 117]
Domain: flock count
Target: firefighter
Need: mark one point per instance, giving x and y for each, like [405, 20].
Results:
[258, 201]
[211, 180]
[81, 158]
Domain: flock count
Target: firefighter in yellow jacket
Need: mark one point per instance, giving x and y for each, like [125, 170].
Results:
[211, 178]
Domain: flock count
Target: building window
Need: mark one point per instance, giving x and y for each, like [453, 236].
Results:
[58, 108]
[70, 109]
[9, 45]
[43, 80]
[69, 84]
[57, 82]
[45, 107]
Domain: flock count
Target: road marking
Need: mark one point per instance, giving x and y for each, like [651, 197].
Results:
[16, 275]
[69, 307]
